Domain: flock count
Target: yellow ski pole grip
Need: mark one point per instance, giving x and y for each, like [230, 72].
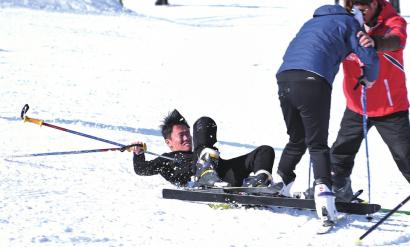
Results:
[130, 148]
[33, 120]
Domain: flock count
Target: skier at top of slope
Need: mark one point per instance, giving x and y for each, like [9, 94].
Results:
[305, 80]
[249, 170]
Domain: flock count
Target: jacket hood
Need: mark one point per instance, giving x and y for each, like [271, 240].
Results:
[330, 10]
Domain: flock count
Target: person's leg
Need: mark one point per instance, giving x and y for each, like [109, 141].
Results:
[314, 104]
[233, 170]
[204, 133]
[259, 162]
[313, 100]
[296, 147]
[206, 174]
[262, 158]
[206, 155]
[347, 144]
[343, 153]
[395, 131]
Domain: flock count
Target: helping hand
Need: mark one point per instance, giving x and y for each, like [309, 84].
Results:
[365, 40]
[366, 83]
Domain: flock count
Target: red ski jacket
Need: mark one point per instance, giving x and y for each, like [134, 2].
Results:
[389, 93]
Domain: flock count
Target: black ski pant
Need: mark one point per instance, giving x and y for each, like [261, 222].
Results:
[234, 170]
[394, 130]
[305, 101]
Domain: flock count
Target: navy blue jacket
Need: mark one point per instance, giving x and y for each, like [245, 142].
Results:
[323, 43]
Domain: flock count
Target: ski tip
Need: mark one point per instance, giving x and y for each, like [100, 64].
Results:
[358, 242]
[220, 206]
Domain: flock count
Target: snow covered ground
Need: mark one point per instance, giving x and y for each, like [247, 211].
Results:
[93, 67]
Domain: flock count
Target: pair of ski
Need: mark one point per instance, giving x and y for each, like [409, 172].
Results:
[263, 196]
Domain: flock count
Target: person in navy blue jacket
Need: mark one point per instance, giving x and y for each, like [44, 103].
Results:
[305, 80]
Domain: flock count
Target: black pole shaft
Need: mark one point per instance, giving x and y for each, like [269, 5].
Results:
[384, 218]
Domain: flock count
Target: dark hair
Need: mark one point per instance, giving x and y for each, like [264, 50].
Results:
[173, 118]
[349, 4]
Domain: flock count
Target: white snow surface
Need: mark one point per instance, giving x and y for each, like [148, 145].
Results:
[112, 72]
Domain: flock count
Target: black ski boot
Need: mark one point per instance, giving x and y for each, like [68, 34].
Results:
[206, 175]
[342, 187]
[261, 178]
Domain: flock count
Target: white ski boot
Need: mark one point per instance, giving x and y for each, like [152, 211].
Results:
[325, 208]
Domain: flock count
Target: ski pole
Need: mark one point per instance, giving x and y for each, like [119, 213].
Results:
[122, 149]
[42, 123]
[310, 172]
[382, 220]
[365, 130]
[361, 81]
[78, 151]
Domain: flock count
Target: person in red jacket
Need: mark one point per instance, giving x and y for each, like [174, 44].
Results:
[387, 101]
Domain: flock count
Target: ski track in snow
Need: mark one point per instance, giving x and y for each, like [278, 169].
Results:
[87, 66]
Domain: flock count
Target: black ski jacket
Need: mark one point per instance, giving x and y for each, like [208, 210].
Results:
[177, 172]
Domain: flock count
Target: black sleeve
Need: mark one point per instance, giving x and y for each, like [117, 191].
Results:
[146, 168]
[178, 172]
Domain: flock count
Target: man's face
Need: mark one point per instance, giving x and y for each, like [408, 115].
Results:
[180, 139]
[368, 10]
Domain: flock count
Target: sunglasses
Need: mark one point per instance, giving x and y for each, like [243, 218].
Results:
[361, 2]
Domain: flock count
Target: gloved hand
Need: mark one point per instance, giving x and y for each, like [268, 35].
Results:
[139, 148]
[363, 81]
[366, 83]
